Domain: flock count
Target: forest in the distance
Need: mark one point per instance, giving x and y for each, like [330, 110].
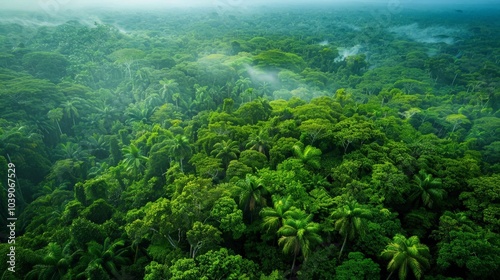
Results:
[267, 144]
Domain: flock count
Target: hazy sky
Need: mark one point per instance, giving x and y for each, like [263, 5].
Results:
[58, 5]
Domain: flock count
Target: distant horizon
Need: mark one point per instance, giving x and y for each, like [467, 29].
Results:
[60, 5]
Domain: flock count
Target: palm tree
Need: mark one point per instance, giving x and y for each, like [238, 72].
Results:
[96, 145]
[201, 93]
[168, 87]
[242, 84]
[143, 76]
[70, 150]
[139, 112]
[97, 169]
[176, 97]
[272, 217]
[70, 110]
[309, 156]
[264, 88]
[259, 141]
[406, 253]
[101, 115]
[134, 161]
[251, 192]
[427, 189]
[227, 91]
[153, 100]
[104, 110]
[180, 149]
[249, 92]
[56, 115]
[226, 151]
[107, 255]
[203, 98]
[44, 127]
[350, 221]
[298, 234]
[55, 263]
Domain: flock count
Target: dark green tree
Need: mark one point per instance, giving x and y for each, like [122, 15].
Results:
[474, 250]
[357, 267]
[428, 190]
[46, 65]
[98, 212]
[202, 238]
[252, 193]
[253, 159]
[107, 255]
[56, 263]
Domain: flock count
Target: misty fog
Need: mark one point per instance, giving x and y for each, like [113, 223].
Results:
[432, 34]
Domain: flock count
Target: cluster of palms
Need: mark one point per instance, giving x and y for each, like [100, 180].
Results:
[69, 109]
[298, 233]
[105, 258]
[135, 162]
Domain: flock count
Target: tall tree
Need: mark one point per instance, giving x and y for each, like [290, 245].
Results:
[427, 190]
[202, 237]
[242, 84]
[351, 220]
[226, 151]
[55, 264]
[406, 254]
[315, 129]
[298, 234]
[168, 88]
[108, 255]
[251, 192]
[127, 57]
[272, 217]
[179, 148]
[134, 161]
[71, 110]
[310, 155]
[259, 141]
[354, 131]
[70, 150]
[56, 115]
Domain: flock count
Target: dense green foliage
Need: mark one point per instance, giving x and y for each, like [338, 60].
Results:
[292, 144]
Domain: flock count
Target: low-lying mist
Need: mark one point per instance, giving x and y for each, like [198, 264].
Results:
[346, 52]
[430, 35]
[260, 76]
